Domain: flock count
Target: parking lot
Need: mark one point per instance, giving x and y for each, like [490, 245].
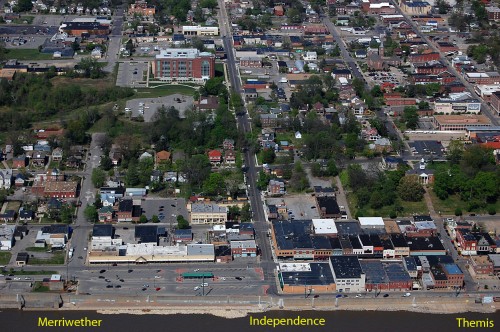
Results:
[427, 148]
[147, 107]
[167, 209]
[299, 207]
[132, 73]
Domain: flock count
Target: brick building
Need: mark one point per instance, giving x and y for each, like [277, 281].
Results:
[141, 7]
[184, 64]
[493, 13]
[79, 28]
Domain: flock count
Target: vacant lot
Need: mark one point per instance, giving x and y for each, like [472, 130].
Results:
[27, 54]
[5, 258]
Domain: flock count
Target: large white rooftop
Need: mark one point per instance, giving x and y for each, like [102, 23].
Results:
[295, 267]
[324, 226]
[371, 221]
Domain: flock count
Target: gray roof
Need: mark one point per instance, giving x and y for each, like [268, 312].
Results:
[346, 267]
[200, 249]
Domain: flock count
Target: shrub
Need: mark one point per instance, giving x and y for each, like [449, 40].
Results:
[458, 212]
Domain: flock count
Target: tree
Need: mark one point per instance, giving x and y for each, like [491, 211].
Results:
[143, 219]
[182, 223]
[98, 177]
[198, 44]
[268, 156]
[106, 162]
[155, 219]
[129, 46]
[23, 6]
[455, 151]
[214, 185]
[410, 117]
[246, 213]
[91, 68]
[132, 176]
[66, 214]
[299, 180]
[90, 213]
[410, 189]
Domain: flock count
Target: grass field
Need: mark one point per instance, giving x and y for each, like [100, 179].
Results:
[410, 208]
[449, 205]
[56, 259]
[36, 249]
[39, 287]
[163, 90]
[5, 258]
[32, 273]
[27, 54]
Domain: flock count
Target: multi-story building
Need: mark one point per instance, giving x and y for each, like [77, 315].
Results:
[482, 77]
[184, 64]
[493, 13]
[415, 7]
[459, 122]
[208, 213]
[457, 103]
[348, 274]
[141, 7]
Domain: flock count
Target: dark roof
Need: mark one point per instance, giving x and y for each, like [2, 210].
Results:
[320, 274]
[356, 244]
[183, 233]
[293, 234]
[112, 190]
[345, 242]
[26, 214]
[375, 240]
[411, 264]
[321, 242]
[346, 267]
[246, 226]
[387, 243]
[425, 243]
[55, 229]
[22, 256]
[222, 251]
[8, 214]
[102, 230]
[146, 233]
[365, 240]
[348, 227]
[328, 204]
[125, 205]
[398, 240]
[422, 218]
[84, 26]
[335, 243]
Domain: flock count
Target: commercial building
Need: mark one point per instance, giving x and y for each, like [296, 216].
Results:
[77, 29]
[183, 64]
[208, 213]
[325, 227]
[415, 7]
[386, 275]
[61, 189]
[458, 103]
[348, 274]
[459, 122]
[198, 30]
[306, 278]
[486, 91]
[144, 253]
[371, 223]
[243, 248]
[482, 77]
[54, 235]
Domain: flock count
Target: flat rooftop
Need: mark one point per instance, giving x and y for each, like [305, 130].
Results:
[324, 226]
[462, 119]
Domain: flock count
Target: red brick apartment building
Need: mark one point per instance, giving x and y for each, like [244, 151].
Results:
[142, 8]
[493, 13]
[425, 57]
[184, 64]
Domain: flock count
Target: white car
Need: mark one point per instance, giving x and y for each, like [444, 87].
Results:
[196, 288]
[205, 284]
[406, 294]
[359, 295]
[157, 277]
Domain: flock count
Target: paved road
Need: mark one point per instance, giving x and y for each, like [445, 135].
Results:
[485, 108]
[81, 226]
[115, 40]
[260, 222]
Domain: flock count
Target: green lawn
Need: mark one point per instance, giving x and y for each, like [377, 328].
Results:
[219, 69]
[410, 208]
[5, 258]
[448, 206]
[27, 54]
[56, 259]
[36, 249]
[163, 90]
[38, 287]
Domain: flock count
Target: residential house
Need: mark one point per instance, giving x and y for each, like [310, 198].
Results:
[276, 187]
[19, 180]
[26, 215]
[38, 158]
[208, 104]
[19, 162]
[215, 157]
[106, 214]
[57, 154]
[8, 216]
[5, 178]
[229, 157]
[162, 156]
[228, 144]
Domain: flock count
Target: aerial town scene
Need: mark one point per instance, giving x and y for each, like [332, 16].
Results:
[250, 155]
